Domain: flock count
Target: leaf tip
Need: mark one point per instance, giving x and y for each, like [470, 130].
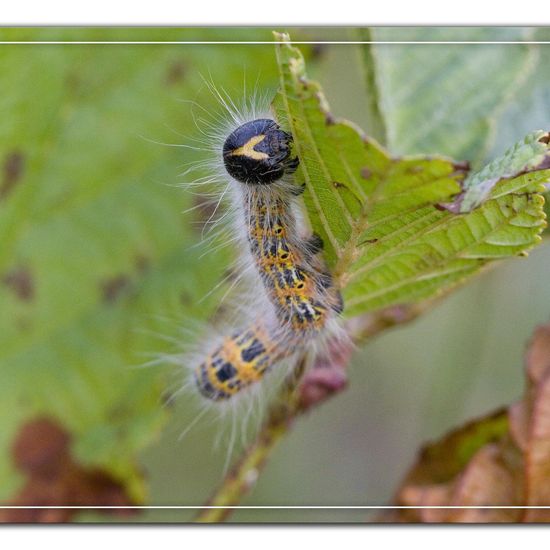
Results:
[281, 37]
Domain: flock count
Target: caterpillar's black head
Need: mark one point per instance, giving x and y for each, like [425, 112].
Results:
[258, 152]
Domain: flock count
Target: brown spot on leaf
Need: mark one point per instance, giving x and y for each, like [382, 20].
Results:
[176, 72]
[366, 173]
[41, 451]
[20, 281]
[74, 82]
[545, 138]
[545, 164]
[318, 51]
[185, 299]
[142, 263]
[39, 447]
[114, 287]
[461, 166]
[454, 206]
[14, 164]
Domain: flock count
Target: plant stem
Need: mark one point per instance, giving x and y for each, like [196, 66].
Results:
[243, 476]
[301, 391]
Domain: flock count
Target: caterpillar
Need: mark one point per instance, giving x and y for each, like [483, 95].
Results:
[240, 360]
[300, 303]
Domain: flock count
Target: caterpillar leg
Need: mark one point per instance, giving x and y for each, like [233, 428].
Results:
[314, 244]
[334, 298]
[291, 165]
[298, 190]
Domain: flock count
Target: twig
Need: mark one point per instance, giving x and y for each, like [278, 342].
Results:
[302, 390]
[243, 476]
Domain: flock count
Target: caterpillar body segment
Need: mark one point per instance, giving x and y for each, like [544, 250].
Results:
[239, 361]
[296, 282]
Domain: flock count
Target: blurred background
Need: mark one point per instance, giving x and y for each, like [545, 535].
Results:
[100, 269]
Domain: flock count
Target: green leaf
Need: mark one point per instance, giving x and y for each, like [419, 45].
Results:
[465, 100]
[451, 97]
[528, 155]
[375, 118]
[94, 247]
[388, 239]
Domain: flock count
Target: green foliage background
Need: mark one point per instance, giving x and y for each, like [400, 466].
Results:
[96, 225]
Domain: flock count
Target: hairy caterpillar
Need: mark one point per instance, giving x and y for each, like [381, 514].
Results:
[241, 359]
[292, 287]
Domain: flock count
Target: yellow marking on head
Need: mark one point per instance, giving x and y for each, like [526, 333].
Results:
[247, 150]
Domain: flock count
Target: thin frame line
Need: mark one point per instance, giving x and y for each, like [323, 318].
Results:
[199, 507]
[309, 42]
[264, 42]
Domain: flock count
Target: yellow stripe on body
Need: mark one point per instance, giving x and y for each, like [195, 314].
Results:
[263, 352]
